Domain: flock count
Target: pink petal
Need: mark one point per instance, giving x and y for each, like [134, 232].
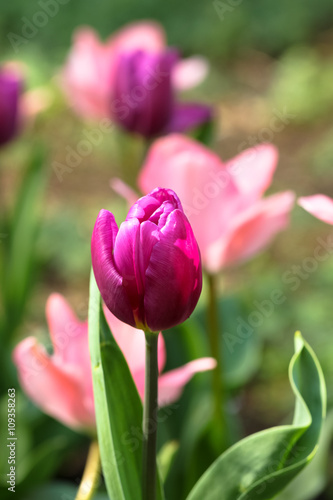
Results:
[190, 72]
[253, 169]
[69, 338]
[144, 35]
[124, 190]
[54, 388]
[319, 205]
[252, 231]
[171, 384]
[87, 76]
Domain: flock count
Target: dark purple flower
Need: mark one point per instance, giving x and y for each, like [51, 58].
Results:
[143, 95]
[10, 89]
[149, 270]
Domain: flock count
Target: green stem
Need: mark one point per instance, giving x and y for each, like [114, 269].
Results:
[91, 474]
[149, 425]
[214, 333]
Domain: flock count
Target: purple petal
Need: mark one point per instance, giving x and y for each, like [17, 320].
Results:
[10, 88]
[187, 116]
[175, 260]
[107, 276]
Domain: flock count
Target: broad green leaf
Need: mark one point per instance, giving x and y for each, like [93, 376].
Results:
[118, 408]
[261, 465]
[313, 480]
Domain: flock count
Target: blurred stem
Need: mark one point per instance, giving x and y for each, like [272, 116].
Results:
[214, 333]
[90, 478]
[149, 425]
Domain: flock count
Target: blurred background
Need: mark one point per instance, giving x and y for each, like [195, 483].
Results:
[268, 60]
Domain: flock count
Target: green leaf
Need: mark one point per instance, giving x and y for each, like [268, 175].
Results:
[118, 408]
[21, 241]
[261, 465]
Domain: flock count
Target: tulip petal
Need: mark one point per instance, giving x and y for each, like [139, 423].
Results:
[175, 260]
[252, 231]
[253, 170]
[190, 72]
[133, 345]
[55, 390]
[87, 76]
[69, 338]
[319, 206]
[142, 35]
[109, 281]
[124, 190]
[187, 116]
[171, 384]
[10, 89]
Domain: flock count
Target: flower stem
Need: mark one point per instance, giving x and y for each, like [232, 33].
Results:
[91, 474]
[149, 425]
[218, 381]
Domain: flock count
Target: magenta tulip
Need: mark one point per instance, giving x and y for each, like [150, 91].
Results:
[223, 201]
[10, 90]
[319, 205]
[61, 383]
[149, 270]
[132, 79]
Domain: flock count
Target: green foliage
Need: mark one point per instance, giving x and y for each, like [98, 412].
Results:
[118, 408]
[261, 465]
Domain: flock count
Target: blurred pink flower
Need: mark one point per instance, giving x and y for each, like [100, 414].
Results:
[319, 206]
[223, 201]
[91, 76]
[61, 383]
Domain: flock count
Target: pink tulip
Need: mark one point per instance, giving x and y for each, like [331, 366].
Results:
[149, 270]
[223, 201]
[101, 80]
[61, 384]
[319, 205]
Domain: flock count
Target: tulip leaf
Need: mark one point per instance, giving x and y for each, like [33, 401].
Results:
[261, 465]
[118, 408]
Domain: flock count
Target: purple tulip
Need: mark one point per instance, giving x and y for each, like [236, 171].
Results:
[149, 270]
[143, 96]
[10, 88]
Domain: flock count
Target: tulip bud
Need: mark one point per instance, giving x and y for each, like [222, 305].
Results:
[10, 87]
[143, 96]
[149, 270]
